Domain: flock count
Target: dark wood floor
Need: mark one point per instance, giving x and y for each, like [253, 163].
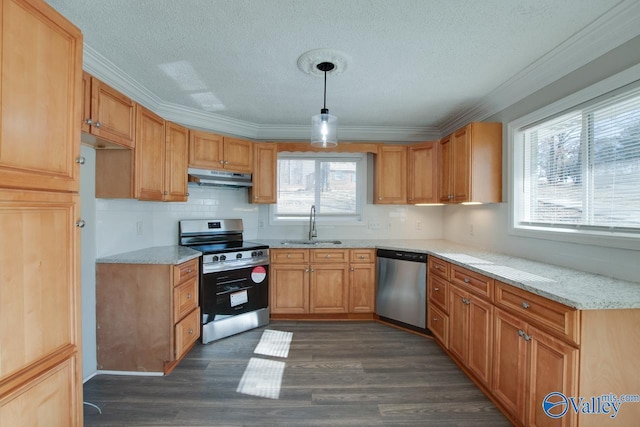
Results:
[336, 374]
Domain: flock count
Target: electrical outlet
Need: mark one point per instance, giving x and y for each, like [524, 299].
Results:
[470, 229]
[418, 225]
[373, 225]
[139, 228]
[261, 224]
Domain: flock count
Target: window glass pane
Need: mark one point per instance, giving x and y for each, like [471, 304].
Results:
[338, 189]
[296, 186]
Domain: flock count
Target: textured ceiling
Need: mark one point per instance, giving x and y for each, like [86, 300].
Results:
[410, 63]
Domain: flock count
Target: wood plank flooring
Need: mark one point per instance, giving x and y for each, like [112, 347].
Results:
[336, 374]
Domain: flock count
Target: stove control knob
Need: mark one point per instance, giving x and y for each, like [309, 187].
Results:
[214, 258]
[254, 254]
[260, 253]
[223, 257]
[238, 256]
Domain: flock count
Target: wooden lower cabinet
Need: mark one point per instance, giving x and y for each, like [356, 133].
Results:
[529, 364]
[147, 315]
[322, 281]
[438, 324]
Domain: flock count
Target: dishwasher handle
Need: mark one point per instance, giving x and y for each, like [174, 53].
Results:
[402, 255]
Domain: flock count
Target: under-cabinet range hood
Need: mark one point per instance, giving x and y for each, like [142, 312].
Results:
[219, 178]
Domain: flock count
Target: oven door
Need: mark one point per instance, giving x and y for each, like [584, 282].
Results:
[232, 292]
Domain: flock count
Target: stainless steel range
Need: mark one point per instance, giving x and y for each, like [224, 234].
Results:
[234, 278]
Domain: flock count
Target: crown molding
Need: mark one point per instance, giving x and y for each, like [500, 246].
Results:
[615, 27]
[352, 133]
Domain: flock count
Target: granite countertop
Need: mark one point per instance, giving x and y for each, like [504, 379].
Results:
[585, 291]
[172, 255]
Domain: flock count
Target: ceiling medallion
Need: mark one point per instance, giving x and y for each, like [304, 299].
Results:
[308, 62]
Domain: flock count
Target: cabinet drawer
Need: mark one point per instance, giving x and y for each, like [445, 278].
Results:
[185, 298]
[439, 267]
[364, 256]
[185, 271]
[438, 324]
[555, 318]
[330, 255]
[187, 332]
[473, 282]
[439, 292]
[289, 256]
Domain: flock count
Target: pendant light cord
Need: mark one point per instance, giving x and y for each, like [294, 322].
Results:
[325, 90]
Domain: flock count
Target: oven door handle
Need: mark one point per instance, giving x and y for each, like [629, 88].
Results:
[233, 265]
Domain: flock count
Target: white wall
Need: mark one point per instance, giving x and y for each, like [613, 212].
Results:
[88, 261]
[490, 222]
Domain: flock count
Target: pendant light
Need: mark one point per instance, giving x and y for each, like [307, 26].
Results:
[324, 126]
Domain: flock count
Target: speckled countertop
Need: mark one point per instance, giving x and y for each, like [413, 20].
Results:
[574, 288]
[172, 255]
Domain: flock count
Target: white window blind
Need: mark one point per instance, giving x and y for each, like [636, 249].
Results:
[333, 183]
[581, 170]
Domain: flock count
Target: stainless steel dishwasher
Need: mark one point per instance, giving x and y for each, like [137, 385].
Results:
[401, 295]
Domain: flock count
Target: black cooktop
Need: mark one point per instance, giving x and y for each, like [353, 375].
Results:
[223, 247]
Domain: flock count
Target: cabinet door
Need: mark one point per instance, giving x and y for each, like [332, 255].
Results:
[445, 190]
[187, 332]
[205, 150]
[479, 356]
[423, 177]
[39, 262]
[362, 283]
[112, 114]
[329, 288]
[40, 95]
[458, 323]
[289, 293]
[86, 102]
[238, 155]
[264, 173]
[391, 175]
[510, 363]
[149, 155]
[438, 292]
[553, 368]
[461, 153]
[176, 159]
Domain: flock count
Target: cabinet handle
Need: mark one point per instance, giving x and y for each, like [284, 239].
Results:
[436, 289]
[435, 319]
[525, 305]
[80, 223]
[520, 332]
[88, 121]
[527, 337]
[306, 270]
[361, 256]
[380, 198]
[97, 124]
[353, 269]
[255, 197]
[80, 160]
[189, 296]
[190, 331]
[328, 256]
[437, 267]
[313, 271]
[288, 256]
[450, 196]
[466, 280]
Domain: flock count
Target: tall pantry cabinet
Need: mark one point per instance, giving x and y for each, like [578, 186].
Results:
[40, 119]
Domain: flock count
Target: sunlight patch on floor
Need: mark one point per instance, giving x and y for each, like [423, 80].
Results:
[262, 378]
[274, 343]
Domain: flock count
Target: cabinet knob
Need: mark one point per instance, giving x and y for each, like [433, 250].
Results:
[189, 270]
[97, 124]
[226, 162]
[190, 331]
[436, 289]
[353, 269]
[466, 280]
[88, 121]
[306, 270]
[450, 196]
[435, 319]
[288, 256]
[80, 223]
[437, 267]
[166, 192]
[80, 160]
[525, 305]
[187, 194]
[255, 197]
[222, 162]
[328, 256]
[380, 198]
[189, 296]
[361, 256]
[313, 270]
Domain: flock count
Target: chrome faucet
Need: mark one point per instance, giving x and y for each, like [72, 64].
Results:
[312, 223]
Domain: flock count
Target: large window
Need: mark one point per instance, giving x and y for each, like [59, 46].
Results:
[333, 183]
[579, 171]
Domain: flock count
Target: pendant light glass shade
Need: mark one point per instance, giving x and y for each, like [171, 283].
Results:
[324, 130]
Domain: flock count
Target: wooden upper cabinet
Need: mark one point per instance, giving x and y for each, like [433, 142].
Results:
[110, 116]
[391, 175]
[265, 166]
[205, 150]
[176, 159]
[238, 155]
[149, 155]
[40, 97]
[470, 162]
[212, 151]
[423, 176]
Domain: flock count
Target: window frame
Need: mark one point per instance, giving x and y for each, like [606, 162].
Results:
[615, 85]
[329, 219]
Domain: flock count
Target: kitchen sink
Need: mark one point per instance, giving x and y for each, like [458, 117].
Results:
[311, 242]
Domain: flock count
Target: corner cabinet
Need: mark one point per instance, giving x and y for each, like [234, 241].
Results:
[40, 361]
[470, 164]
[265, 168]
[148, 316]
